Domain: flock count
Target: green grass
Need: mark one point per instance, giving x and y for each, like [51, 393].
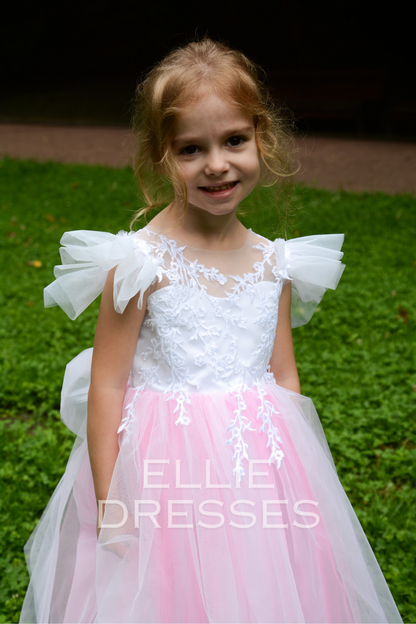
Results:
[356, 357]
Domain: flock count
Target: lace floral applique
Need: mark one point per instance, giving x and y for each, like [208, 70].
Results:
[247, 282]
[266, 411]
[238, 426]
[183, 271]
[147, 375]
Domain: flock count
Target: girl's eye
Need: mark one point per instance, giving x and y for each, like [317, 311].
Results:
[189, 150]
[236, 141]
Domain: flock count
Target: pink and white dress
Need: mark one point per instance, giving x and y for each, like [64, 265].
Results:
[224, 504]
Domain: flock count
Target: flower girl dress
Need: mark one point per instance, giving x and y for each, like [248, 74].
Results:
[224, 504]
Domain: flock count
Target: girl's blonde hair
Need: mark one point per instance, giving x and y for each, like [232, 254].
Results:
[178, 81]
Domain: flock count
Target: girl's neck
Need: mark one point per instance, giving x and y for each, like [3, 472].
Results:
[200, 229]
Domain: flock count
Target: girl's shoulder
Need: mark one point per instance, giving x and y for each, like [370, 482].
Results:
[87, 256]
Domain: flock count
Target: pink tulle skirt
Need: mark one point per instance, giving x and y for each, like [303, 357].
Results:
[184, 541]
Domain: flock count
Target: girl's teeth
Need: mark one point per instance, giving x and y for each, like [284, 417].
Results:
[220, 188]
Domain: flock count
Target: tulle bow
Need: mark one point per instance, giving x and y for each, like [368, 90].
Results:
[313, 265]
[87, 257]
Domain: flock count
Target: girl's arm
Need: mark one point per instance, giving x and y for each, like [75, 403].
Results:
[282, 362]
[114, 346]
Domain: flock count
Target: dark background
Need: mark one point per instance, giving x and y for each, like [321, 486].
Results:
[343, 68]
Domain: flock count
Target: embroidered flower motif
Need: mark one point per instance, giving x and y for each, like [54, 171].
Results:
[200, 360]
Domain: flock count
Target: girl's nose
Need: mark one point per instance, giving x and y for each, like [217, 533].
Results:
[216, 163]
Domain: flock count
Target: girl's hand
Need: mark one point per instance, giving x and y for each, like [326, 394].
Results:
[108, 537]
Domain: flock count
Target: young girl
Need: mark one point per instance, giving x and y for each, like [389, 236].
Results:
[201, 469]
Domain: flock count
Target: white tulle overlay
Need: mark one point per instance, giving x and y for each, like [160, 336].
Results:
[224, 505]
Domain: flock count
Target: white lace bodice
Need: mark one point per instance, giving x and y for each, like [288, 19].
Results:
[207, 329]
[211, 317]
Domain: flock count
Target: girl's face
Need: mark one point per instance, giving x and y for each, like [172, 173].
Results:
[215, 146]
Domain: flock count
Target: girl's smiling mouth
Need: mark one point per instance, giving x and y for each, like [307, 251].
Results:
[219, 190]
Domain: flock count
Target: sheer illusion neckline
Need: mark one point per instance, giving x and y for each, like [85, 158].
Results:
[201, 249]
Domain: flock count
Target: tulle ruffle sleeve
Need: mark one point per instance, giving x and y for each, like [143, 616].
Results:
[312, 263]
[87, 257]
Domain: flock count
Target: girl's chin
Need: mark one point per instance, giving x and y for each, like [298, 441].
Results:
[214, 209]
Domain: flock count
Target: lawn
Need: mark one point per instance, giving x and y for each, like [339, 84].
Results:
[356, 358]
